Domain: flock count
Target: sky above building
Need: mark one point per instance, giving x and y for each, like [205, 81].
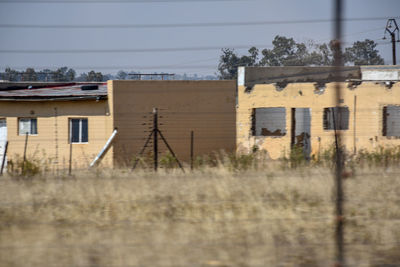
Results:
[170, 35]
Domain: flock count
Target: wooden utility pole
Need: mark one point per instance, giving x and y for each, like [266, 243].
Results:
[339, 194]
[392, 28]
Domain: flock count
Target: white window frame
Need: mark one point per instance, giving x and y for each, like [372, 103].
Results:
[30, 126]
[80, 130]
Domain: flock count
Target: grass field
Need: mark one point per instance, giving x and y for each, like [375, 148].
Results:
[210, 217]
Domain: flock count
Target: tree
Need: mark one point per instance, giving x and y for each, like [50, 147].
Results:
[93, 76]
[64, 75]
[70, 75]
[363, 53]
[287, 52]
[121, 75]
[29, 75]
[229, 62]
[10, 75]
[45, 75]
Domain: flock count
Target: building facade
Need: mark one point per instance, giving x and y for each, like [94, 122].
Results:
[63, 121]
[280, 108]
[54, 120]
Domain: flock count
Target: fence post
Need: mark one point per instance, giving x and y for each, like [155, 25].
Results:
[26, 145]
[191, 149]
[70, 158]
[155, 139]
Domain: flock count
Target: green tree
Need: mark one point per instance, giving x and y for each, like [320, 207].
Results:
[29, 75]
[363, 53]
[70, 75]
[64, 74]
[46, 75]
[10, 75]
[229, 62]
[287, 52]
[59, 74]
[93, 76]
[121, 75]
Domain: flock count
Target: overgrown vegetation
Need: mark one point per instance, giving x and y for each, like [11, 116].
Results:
[217, 216]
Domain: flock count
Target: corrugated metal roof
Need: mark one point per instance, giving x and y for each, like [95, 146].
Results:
[63, 92]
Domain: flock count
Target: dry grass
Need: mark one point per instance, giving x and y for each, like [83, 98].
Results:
[211, 217]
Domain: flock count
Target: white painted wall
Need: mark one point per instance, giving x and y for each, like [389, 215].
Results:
[3, 138]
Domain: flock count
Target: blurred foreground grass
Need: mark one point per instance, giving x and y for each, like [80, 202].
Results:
[211, 217]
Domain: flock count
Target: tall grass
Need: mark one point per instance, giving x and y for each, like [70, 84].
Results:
[255, 215]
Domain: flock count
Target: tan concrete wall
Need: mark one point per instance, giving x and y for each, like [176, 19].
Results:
[371, 97]
[53, 131]
[206, 107]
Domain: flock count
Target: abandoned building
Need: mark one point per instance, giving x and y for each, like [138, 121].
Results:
[76, 120]
[281, 108]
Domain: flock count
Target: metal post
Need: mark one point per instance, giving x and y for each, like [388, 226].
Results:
[155, 140]
[144, 147]
[4, 158]
[170, 150]
[339, 219]
[191, 149]
[26, 145]
[355, 126]
[70, 158]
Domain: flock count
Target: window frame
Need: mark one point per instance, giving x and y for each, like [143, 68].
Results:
[30, 126]
[254, 123]
[325, 122]
[385, 116]
[80, 130]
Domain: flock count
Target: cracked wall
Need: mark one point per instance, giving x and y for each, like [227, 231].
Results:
[365, 103]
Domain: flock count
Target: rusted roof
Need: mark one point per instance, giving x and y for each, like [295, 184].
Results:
[72, 91]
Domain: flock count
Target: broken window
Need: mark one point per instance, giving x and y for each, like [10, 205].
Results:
[336, 117]
[269, 122]
[391, 121]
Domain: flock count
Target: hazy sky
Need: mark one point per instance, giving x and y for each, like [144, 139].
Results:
[140, 41]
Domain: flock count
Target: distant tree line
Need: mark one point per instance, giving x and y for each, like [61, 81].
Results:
[63, 74]
[288, 52]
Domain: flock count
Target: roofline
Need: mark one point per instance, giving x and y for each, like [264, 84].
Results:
[40, 85]
[68, 98]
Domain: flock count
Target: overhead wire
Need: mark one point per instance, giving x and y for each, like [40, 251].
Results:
[108, 1]
[126, 50]
[182, 25]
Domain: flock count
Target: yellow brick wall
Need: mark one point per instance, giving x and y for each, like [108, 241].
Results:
[371, 97]
[53, 130]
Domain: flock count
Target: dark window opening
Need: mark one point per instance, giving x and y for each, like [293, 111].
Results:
[391, 121]
[79, 130]
[336, 117]
[269, 122]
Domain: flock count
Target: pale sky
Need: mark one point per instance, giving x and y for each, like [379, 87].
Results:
[140, 41]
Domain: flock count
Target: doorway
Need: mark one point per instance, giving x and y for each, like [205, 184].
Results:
[301, 130]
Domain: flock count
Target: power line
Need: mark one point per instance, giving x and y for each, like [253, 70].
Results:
[123, 67]
[127, 50]
[181, 25]
[108, 1]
